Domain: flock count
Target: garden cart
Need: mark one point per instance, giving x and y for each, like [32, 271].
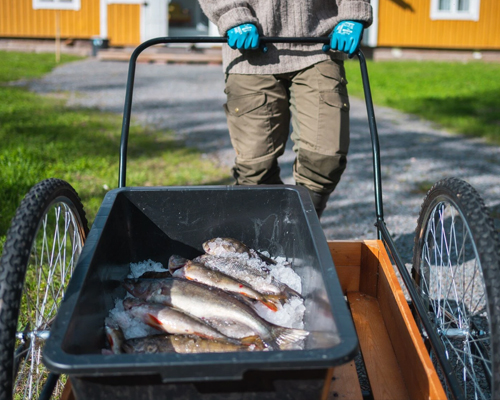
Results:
[436, 339]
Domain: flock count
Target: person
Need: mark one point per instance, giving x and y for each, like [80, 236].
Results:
[269, 86]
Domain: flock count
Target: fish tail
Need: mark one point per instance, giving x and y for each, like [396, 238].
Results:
[285, 337]
[289, 292]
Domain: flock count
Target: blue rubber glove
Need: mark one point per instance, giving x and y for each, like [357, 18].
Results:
[244, 36]
[346, 37]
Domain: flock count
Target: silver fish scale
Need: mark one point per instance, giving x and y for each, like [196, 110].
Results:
[244, 272]
[215, 306]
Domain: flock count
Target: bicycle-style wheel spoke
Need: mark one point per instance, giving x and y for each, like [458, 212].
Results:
[449, 272]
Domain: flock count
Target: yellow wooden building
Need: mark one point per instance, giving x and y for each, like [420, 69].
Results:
[438, 24]
[122, 22]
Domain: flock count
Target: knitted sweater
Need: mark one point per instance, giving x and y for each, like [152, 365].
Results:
[283, 18]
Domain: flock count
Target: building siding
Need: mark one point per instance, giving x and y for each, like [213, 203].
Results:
[18, 19]
[124, 24]
[407, 23]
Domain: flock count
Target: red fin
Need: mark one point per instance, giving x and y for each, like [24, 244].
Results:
[272, 301]
[269, 304]
[110, 340]
[152, 321]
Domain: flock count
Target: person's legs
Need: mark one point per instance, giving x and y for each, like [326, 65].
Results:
[258, 116]
[320, 119]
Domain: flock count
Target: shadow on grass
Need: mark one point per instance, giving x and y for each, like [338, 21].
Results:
[43, 139]
[470, 115]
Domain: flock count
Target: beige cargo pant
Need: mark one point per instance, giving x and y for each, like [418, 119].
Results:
[258, 111]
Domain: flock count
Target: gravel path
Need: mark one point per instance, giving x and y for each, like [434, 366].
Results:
[189, 98]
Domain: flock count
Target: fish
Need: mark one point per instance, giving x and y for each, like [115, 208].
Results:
[197, 272]
[184, 344]
[236, 268]
[219, 309]
[167, 319]
[115, 336]
[229, 247]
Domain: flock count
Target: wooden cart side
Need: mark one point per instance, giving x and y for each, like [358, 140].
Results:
[396, 360]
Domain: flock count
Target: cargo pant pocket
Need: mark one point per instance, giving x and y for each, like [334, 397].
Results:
[334, 73]
[248, 118]
[333, 123]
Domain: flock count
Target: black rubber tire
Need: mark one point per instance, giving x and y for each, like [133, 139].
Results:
[43, 198]
[484, 248]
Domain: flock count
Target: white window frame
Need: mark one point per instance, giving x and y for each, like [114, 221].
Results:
[454, 14]
[56, 5]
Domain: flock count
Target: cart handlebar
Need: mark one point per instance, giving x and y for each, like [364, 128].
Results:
[263, 40]
[169, 40]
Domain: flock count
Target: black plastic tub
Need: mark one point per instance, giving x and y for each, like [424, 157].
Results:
[137, 224]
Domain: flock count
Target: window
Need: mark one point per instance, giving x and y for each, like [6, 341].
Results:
[56, 4]
[455, 9]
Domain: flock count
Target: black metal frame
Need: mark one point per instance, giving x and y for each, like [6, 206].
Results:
[382, 231]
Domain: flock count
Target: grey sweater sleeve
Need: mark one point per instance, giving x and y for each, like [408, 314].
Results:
[227, 14]
[356, 10]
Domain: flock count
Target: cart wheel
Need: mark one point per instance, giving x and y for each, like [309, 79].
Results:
[456, 261]
[41, 249]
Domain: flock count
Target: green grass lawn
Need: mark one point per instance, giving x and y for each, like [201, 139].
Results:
[41, 138]
[463, 97]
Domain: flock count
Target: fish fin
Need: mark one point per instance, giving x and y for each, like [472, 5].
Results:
[253, 340]
[152, 321]
[178, 273]
[285, 337]
[271, 301]
[115, 336]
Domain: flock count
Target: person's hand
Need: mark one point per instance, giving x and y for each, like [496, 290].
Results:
[243, 37]
[346, 37]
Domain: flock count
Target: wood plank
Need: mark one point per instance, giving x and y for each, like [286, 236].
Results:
[347, 259]
[348, 278]
[369, 270]
[421, 379]
[381, 365]
[346, 253]
[344, 383]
